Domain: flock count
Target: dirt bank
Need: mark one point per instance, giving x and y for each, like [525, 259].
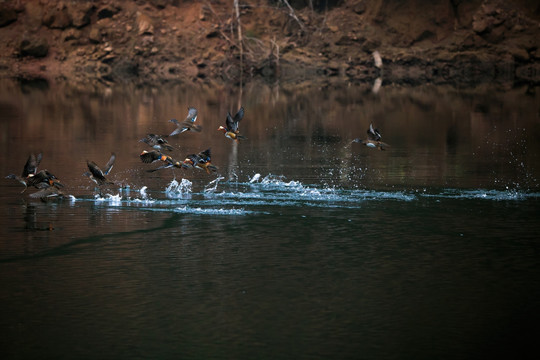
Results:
[205, 41]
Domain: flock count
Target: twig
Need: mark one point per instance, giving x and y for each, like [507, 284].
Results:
[220, 25]
[293, 14]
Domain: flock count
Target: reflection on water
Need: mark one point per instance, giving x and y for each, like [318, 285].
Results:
[302, 245]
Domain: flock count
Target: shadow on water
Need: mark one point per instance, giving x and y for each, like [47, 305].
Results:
[73, 245]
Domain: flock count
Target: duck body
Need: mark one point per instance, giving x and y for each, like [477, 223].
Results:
[373, 139]
[157, 142]
[231, 128]
[96, 174]
[44, 179]
[200, 161]
[188, 124]
[149, 157]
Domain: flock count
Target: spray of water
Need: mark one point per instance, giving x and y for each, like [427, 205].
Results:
[179, 190]
[212, 185]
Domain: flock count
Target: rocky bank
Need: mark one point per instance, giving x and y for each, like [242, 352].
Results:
[155, 41]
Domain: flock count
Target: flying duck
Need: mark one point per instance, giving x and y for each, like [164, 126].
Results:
[188, 123]
[231, 125]
[96, 174]
[201, 161]
[149, 157]
[157, 142]
[373, 139]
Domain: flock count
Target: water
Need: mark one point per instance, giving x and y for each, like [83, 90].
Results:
[302, 245]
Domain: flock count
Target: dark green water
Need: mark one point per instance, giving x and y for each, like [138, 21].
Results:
[301, 246]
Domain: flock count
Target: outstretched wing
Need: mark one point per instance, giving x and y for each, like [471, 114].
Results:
[373, 134]
[239, 115]
[205, 155]
[110, 164]
[192, 115]
[230, 124]
[95, 170]
[30, 168]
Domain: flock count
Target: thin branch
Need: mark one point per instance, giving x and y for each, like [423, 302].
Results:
[293, 14]
[220, 25]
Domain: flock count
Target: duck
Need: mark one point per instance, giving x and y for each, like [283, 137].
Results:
[96, 174]
[29, 170]
[373, 139]
[188, 124]
[43, 179]
[230, 129]
[31, 177]
[149, 157]
[201, 161]
[157, 142]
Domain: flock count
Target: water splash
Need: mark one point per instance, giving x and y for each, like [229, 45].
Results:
[143, 193]
[255, 178]
[212, 185]
[113, 200]
[179, 190]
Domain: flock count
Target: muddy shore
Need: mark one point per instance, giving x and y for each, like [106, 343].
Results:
[151, 42]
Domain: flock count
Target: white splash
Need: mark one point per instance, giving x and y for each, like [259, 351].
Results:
[182, 189]
[143, 193]
[212, 185]
[255, 178]
[113, 200]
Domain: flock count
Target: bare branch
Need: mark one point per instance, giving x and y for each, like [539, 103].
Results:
[293, 14]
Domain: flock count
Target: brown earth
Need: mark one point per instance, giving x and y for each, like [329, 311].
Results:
[107, 41]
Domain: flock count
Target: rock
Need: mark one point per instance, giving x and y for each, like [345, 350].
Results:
[147, 41]
[107, 11]
[34, 14]
[95, 35]
[7, 15]
[519, 54]
[80, 13]
[36, 47]
[359, 7]
[481, 25]
[56, 17]
[370, 45]
[71, 34]
[144, 24]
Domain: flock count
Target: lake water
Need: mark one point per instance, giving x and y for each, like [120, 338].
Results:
[301, 246]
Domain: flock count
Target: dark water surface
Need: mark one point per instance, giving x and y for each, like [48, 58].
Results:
[301, 246]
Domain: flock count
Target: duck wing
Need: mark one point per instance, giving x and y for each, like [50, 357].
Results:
[230, 124]
[30, 168]
[239, 114]
[192, 115]
[95, 171]
[373, 134]
[110, 164]
[204, 156]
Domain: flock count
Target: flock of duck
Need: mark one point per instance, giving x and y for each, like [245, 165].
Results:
[49, 186]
